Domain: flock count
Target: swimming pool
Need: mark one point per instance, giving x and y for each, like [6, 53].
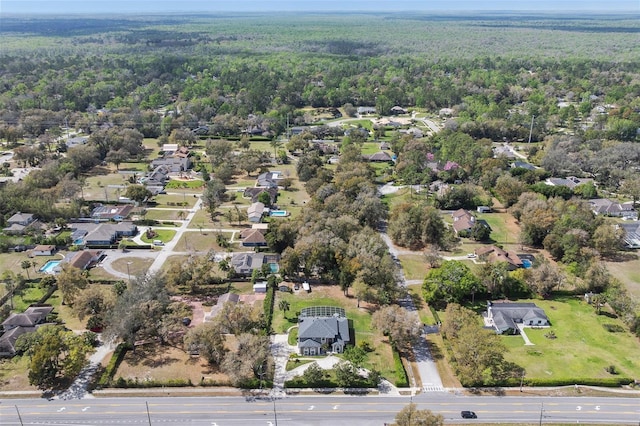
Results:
[279, 213]
[50, 267]
[526, 263]
[274, 268]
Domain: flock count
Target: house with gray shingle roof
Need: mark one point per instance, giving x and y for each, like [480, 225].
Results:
[505, 316]
[19, 222]
[255, 212]
[606, 207]
[319, 335]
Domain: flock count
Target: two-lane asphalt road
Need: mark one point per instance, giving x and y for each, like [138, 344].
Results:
[314, 410]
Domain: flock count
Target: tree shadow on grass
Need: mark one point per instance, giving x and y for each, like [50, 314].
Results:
[621, 257]
[150, 355]
[435, 351]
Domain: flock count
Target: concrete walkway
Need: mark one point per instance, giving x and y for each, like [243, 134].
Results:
[78, 389]
[527, 342]
[280, 349]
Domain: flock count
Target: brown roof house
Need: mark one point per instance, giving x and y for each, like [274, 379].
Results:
[85, 259]
[225, 298]
[378, 157]
[43, 250]
[254, 238]
[493, 254]
[463, 221]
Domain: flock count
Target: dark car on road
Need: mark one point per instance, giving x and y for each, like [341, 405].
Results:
[468, 415]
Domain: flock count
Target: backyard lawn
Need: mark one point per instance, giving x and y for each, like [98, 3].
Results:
[504, 230]
[583, 348]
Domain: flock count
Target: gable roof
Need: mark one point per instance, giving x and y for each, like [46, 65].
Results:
[20, 219]
[610, 208]
[247, 261]
[496, 254]
[378, 156]
[29, 318]
[255, 210]
[323, 328]
[254, 193]
[9, 338]
[111, 212]
[83, 259]
[462, 220]
[254, 238]
[506, 314]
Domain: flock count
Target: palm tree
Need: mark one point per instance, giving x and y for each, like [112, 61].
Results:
[284, 306]
[275, 144]
[26, 265]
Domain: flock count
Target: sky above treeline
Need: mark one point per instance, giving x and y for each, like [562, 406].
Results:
[117, 7]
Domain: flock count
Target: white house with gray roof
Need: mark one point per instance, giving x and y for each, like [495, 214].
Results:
[504, 317]
[322, 332]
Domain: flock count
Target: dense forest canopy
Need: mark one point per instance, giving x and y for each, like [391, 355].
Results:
[270, 65]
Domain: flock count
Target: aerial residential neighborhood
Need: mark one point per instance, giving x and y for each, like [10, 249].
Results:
[214, 207]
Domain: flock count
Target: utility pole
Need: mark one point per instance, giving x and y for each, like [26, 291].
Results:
[148, 414]
[531, 128]
[541, 411]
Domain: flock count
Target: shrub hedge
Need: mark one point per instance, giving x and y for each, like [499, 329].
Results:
[402, 380]
[114, 363]
[268, 308]
[135, 383]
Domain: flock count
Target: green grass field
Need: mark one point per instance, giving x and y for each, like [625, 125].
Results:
[628, 273]
[195, 241]
[413, 266]
[583, 348]
[501, 232]
[164, 235]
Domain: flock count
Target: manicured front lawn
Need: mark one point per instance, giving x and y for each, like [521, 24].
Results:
[583, 348]
[164, 235]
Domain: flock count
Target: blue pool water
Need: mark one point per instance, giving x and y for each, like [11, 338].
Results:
[273, 267]
[48, 268]
[278, 213]
[526, 263]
